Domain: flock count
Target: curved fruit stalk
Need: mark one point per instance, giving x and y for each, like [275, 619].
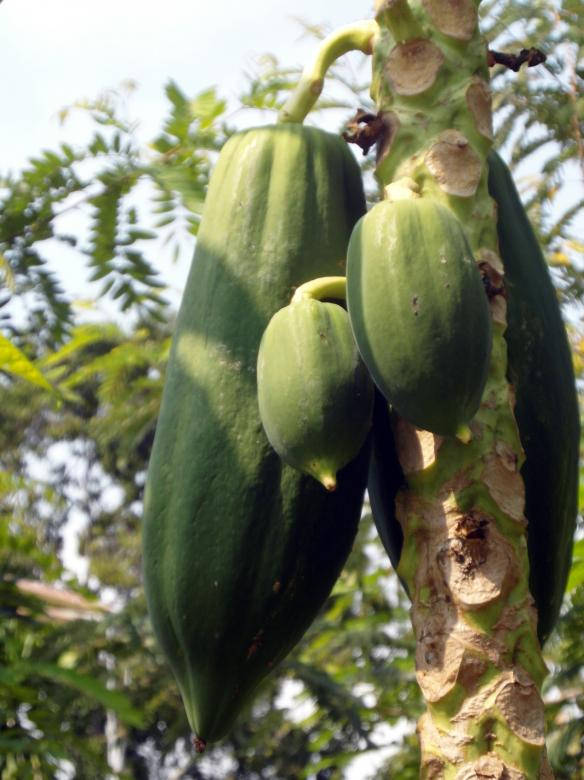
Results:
[354, 37]
[240, 551]
[314, 393]
[464, 557]
[419, 312]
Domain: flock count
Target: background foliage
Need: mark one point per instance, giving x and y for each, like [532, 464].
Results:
[84, 691]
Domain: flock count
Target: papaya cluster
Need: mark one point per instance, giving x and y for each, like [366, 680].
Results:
[275, 415]
[419, 315]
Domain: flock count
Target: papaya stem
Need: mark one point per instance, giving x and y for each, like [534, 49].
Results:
[354, 37]
[401, 189]
[397, 16]
[334, 287]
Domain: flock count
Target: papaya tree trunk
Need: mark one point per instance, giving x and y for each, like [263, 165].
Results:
[464, 558]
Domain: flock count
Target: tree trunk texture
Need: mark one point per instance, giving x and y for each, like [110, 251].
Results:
[464, 559]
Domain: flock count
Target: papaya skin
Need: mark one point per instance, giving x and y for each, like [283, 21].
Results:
[315, 394]
[419, 312]
[239, 550]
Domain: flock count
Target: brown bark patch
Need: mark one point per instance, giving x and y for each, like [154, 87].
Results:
[365, 130]
[498, 307]
[492, 279]
[454, 164]
[449, 745]
[436, 615]
[512, 396]
[478, 100]
[475, 562]
[433, 769]
[507, 455]
[443, 662]
[428, 517]
[473, 526]
[438, 659]
[493, 275]
[513, 616]
[505, 486]
[491, 646]
[412, 66]
[499, 695]
[455, 18]
[489, 258]
[520, 704]
[489, 767]
[417, 449]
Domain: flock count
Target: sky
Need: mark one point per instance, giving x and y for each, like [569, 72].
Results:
[55, 52]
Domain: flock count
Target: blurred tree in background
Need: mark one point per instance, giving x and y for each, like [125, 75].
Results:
[84, 692]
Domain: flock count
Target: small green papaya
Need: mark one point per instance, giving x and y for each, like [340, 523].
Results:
[419, 312]
[539, 366]
[315, 395]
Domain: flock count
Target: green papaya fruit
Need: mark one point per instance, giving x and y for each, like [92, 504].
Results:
[540, 370]
[315, 394]
[385, 479]
[546, 403]
[239, 550]
[419, 312]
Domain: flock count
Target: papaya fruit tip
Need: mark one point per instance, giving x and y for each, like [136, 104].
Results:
[464, 434]
[199, 744]
[329, 481]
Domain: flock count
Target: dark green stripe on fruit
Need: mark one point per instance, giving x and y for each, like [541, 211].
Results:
[546, 404]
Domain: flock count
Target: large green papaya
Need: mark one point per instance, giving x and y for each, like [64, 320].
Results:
[240, 551]
[546, 410]
[315, 394]
[419, 312]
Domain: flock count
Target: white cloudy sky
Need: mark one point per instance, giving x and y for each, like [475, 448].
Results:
[54, 52]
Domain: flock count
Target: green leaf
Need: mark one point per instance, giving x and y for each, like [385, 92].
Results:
[16, 362]
[89, 686]
[576, 577]
[82, 337]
